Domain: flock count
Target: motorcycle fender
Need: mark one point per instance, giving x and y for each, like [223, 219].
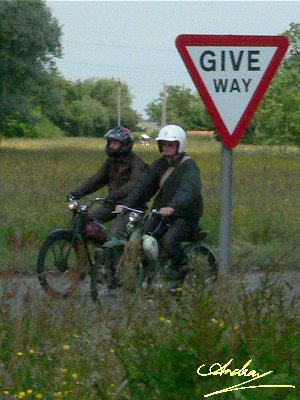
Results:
[150, 247]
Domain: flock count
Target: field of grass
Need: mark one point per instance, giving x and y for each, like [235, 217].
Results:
[149, 346]
[36, 175]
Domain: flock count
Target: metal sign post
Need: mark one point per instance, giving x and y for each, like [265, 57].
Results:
[225, 211]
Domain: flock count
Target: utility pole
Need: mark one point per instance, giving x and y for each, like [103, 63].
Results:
[119, 103]
[164, 106]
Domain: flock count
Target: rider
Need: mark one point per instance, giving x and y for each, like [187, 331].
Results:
[119, 172]
[175, 179]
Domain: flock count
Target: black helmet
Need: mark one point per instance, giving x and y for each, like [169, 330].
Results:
[122, 135]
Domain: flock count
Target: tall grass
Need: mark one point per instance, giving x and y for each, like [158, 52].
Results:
[149, 346]
[36, 175]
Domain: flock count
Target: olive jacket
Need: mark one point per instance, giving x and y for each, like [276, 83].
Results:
[181, 190]
[118, 173]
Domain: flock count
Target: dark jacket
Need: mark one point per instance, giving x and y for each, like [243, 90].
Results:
[118, 173]
[181, 190]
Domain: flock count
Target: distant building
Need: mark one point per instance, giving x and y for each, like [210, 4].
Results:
[145, 139]
[201, 133]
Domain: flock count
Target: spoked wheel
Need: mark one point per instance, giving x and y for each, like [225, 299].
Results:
[203, 262]
[61, 264]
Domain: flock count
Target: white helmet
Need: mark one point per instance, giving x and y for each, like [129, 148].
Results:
[171, 133]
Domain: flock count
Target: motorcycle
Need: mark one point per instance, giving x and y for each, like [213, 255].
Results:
[66, 256]
[139, 265]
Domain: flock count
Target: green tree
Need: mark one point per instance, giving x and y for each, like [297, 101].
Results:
[183, 108]
[106, 92]
[277, 119]
[89, 107]
[29, 42]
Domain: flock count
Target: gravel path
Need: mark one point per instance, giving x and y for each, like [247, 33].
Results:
[18, 291]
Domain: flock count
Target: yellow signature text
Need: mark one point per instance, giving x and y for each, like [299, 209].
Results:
[218, 369]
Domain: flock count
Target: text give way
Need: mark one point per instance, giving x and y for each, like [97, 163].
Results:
[233, 71]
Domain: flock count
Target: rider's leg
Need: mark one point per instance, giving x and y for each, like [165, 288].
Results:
[101, 214]
[180, 230]
[119, 230]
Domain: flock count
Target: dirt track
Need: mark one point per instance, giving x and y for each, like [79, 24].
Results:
[20, 291]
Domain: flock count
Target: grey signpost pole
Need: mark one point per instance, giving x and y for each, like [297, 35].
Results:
[225, 211]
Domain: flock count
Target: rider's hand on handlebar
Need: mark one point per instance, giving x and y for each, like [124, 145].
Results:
[119, 209]
[72, 196]
[166, 211]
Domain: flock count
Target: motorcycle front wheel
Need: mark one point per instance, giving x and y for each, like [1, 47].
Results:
[62, 263]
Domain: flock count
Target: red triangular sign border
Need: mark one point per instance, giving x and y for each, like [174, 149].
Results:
[184, 40]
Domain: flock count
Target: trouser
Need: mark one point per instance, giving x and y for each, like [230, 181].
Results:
[104, 214]
[171, 233]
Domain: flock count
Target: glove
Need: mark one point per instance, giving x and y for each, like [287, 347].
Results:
[73, 196]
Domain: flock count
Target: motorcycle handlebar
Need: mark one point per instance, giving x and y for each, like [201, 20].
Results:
[129, 209]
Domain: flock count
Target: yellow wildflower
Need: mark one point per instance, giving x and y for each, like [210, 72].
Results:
[5, 392]
[29, 391]
[167, 321]
[75, 376]
[58, 394]
[21, 395]
[75, 335]
[66, 347]
[220, 323]
[39, 396]
[19, 354]
[31, 351]
[161, 318]
[112, 350]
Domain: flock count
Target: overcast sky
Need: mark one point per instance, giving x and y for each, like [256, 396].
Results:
[135, 40]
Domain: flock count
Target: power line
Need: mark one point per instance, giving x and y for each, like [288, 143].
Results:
[119, 46]
[124, 67]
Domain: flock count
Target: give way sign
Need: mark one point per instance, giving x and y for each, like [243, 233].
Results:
[231, 73]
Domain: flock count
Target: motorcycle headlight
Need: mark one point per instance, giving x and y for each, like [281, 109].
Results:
[73, 205]
[133, 216]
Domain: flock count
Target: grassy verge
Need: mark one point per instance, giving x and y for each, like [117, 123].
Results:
[37, 174]
[151, 346]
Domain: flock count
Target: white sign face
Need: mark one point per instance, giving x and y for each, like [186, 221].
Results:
[231, 76]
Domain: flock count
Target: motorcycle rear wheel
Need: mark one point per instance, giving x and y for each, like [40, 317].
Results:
[62, 264]
[202, 261]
